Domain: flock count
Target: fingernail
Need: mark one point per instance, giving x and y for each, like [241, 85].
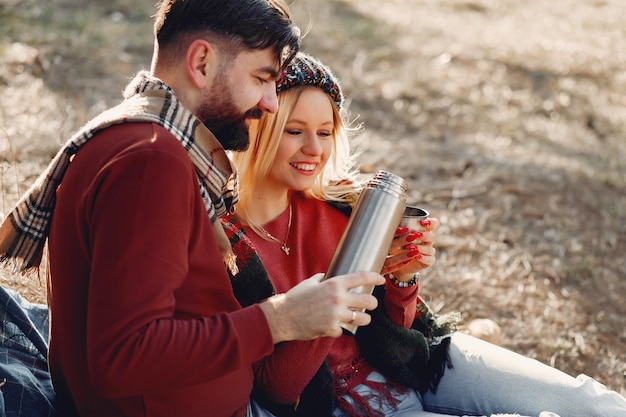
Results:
[414, 236]
[401, 230]
[411, 247]
[425, 222]
[414, 254]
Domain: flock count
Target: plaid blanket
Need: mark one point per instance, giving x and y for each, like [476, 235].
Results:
[25, 385]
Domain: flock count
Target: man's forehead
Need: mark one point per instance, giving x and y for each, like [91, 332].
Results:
[260, 60]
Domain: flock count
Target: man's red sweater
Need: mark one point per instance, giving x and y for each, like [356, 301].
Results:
[143, 318]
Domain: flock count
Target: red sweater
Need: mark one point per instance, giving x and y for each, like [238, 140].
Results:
[315, 233]
[143, 318]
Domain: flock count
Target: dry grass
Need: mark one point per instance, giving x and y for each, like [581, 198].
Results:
[508, 119]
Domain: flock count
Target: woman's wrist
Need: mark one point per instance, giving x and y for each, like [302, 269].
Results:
[399, 282]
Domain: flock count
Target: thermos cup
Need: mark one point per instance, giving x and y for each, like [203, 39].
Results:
[370, 230]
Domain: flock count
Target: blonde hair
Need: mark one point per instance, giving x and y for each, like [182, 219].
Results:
[339, 180]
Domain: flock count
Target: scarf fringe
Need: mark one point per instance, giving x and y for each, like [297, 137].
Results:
[369, 405]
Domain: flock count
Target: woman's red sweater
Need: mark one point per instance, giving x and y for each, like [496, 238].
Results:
[315, 233]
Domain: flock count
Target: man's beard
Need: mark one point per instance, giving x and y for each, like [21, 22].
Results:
[233, 133]
[222, 117]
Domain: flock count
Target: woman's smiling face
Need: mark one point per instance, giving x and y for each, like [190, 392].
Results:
[306, 142]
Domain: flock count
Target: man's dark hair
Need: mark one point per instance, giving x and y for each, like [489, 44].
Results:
[256, 24]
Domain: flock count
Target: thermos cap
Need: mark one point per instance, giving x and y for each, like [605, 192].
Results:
[390, 183]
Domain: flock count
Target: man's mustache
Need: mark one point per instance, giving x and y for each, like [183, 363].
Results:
[253, 114]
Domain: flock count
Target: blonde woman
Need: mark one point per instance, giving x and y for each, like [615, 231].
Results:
[297, 182]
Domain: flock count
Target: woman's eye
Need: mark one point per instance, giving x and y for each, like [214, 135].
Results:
[325, 134]
[293, 132]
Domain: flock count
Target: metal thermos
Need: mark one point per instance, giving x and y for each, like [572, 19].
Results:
[365, 242]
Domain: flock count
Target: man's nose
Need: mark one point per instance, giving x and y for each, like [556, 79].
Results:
[269, 99]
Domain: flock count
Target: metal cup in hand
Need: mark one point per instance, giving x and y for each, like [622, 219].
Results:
[412, 216]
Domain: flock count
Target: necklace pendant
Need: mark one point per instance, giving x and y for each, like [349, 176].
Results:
[285, 249]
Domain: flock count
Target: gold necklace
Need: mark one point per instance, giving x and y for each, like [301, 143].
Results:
[283, 245]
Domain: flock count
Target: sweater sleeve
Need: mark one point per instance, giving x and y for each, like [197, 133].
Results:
[147, 329]
[401, 303]
[284, 374]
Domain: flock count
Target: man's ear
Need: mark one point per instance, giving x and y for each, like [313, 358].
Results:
[201, 62]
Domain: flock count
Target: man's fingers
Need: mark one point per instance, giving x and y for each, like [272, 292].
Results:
[358, 279]
[318, 277]
[359, 301]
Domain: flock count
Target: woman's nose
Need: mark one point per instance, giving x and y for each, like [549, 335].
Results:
[312, 145]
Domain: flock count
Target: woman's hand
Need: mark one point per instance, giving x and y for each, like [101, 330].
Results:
[412, 250]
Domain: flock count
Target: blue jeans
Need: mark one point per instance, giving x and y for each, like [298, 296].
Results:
[488, 380]
[255, 410]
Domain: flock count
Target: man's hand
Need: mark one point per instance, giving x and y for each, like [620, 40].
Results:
[312, 308]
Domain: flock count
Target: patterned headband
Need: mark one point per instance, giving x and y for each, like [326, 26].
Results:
[305, 70]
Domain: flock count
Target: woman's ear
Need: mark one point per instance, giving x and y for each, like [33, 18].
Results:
[201, 61]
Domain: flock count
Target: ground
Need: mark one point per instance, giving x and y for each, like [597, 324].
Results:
[506, 118]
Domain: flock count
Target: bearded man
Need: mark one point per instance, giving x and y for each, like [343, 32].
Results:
[143, 318]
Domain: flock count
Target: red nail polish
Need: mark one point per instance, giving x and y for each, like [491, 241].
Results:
[414, 236]
[414, 254]
[411, 247]
[401, 230]
[425, 222]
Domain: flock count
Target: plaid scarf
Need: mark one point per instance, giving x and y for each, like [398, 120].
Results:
[24, 232]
